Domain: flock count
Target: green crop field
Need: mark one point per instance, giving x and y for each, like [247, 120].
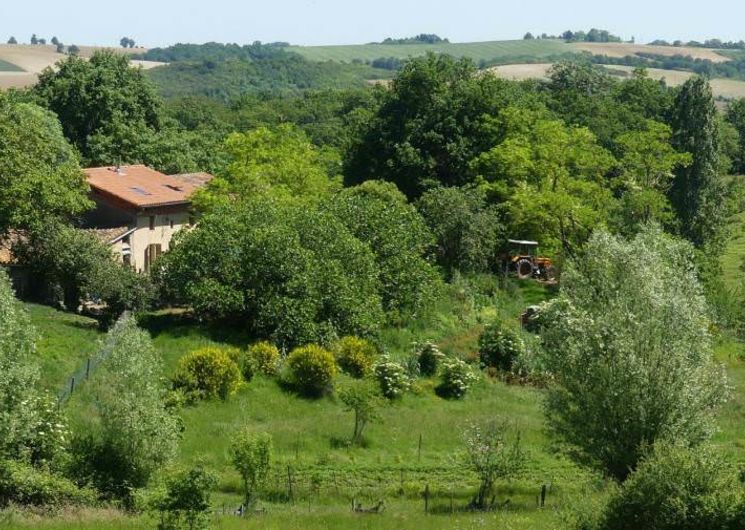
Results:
[5, 66]
[487, 51]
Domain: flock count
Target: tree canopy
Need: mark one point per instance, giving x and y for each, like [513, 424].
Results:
[40, 176]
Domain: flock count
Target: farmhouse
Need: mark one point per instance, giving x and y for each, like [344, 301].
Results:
[139, 210]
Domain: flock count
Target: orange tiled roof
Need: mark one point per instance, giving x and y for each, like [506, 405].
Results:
[142, 187]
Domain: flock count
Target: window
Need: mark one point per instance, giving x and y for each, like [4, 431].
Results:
[152, 222]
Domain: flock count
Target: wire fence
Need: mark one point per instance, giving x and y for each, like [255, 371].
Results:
[84, 372]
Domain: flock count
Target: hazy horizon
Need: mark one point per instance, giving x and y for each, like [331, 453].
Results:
[316, 22]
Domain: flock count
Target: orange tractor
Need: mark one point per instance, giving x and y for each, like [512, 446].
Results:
[523, 261]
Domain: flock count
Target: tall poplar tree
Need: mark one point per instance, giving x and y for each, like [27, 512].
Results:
[697, 193]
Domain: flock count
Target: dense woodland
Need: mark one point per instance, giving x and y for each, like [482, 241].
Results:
[341, 212]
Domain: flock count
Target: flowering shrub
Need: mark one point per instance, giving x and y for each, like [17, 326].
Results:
[311, 370]
[457, 378]
[500, 346]
[429, 358]
[391, 377]
[208, 373]
[355, 356]
[265, 357]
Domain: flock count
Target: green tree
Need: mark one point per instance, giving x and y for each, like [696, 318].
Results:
[736, 116]
[282, 161]
[55, 41]
[12, 40]
[294, 274]
[40, 177]
[551, 176]
[428, 126]
[647, 165]
[251, 454]
[363, 400]
[76, 264]
[129, 433]
[34, 40]
[73, 50]
[697, 192]
[380, 216]
[92, 97]
[467, 230]
[628, 346]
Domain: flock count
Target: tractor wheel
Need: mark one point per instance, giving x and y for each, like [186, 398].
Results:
[524, 269]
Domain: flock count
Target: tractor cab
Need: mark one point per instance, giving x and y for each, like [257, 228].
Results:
[522, 259]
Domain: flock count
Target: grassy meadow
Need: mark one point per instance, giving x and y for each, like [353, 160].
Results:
[310, 435]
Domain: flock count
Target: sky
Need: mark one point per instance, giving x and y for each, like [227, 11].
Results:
[314, 22]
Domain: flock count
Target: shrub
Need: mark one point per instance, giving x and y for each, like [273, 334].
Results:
[187, 500]
[265, 357]
[131, 434]
[429, 358]
[500, 346]
[676, 488]
[629, 332]
[492, 454]
[311, 370]
[355, 356]
[24, 485]
[391, 377]
[244, 361]
[208, 373]
[457, 378]
[251, 454]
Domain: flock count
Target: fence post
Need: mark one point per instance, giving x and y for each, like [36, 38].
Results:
[543, 496]
[88, 369]
[426, 498]
[72, 385]
[419, 450]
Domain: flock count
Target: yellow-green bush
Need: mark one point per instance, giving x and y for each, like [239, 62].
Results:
[355, 356]
[244, 361]
[265, 357]
[311, 370]
[208, 373]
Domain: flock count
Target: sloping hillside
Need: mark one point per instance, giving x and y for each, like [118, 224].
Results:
[21, 63]
[497, 50]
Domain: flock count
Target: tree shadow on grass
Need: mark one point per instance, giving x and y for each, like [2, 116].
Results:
[180, 325]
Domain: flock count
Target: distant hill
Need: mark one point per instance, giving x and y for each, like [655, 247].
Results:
[497, 51]
[21, 63]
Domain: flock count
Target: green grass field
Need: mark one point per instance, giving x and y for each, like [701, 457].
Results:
[477, 51]
[9, 67]
[327, 475]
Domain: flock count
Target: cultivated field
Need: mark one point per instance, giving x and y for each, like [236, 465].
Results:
[21, 63]
[477, 51]
[496, 50]
[619, 49]
[726, 88]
